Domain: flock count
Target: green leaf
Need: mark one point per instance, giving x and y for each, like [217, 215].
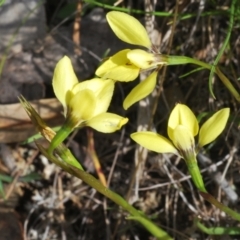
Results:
[218, 230]
[2, 190]
[152, 228]
[30, 177]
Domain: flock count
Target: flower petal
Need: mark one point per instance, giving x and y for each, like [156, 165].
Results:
[184, 141]
[118, 67]
[64, 79]
[128, 29]
[182, 115]
[212, 128]
[122, 73]
[142, 90]
[82, 105]
[104, 96]
[154, 142]
[107, 122]
[142, 59]
[102, 89]
[96, 85]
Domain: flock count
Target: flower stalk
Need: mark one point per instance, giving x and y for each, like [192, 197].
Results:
[94, 183]
[195, 173]
[182, 130]
[179, 60]
[68, 162]
[127, 64]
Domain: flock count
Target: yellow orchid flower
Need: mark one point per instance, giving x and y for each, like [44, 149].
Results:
[182, 129]
[126, 64]
[85, 103]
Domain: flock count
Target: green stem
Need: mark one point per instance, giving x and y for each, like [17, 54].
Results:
[50, 135]
[2, 2]
[225, 43]
[198, 181]
[183, 16]
[177, 60]
[60, 136]
[65, 154]
[220, 206]
[226, 82]
[195, 173]
[217, 230]
[93, 182]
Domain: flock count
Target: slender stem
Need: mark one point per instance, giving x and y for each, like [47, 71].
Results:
[198, 181]
[93, 182]
[177, 60]
[183, 16]
[60, 136]
[195, 173]
[226, 82]
[224, 45]
[217, 230]
[49, 135]
[65, 154]
[219, 205]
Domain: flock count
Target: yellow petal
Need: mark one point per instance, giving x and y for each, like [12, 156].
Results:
[182, 115]
[212, 128]
[104, 96]
[82, 105]
[102, 89]
[122, 73]
[128, 29]
[64, 79]
[142, 59]
[142, 90]
[184, 140]
[107, 122]
[154, 142]
[95, 85]
[118, 67]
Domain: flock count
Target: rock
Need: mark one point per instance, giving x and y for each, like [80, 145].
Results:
[29, 68]
[29, 15]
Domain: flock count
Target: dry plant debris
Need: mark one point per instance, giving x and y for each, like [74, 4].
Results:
[51, 204]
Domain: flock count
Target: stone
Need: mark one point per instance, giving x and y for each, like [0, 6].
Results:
[25, 19]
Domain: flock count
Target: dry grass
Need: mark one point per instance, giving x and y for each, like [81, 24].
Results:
[59, 206]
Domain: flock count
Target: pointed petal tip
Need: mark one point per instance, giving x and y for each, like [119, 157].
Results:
[154, 142]
[213, 127]
[64, 78]
[141, 91]
[128, 29]
[107, 122]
